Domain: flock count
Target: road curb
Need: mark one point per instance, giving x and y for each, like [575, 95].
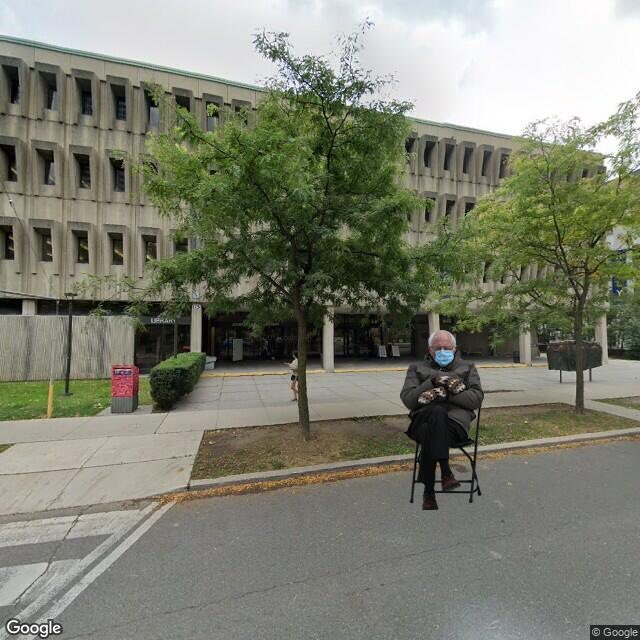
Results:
[245, 374]
[283, 474]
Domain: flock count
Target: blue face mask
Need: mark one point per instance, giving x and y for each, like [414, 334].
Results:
[444, 357]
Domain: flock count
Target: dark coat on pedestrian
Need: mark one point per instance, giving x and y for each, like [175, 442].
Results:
[460, 407]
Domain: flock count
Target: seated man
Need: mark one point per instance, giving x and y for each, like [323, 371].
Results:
[442, 392]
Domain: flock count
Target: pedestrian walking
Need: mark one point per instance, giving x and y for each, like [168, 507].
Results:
[293, 368]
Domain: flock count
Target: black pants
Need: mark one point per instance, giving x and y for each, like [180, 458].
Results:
[436, 432]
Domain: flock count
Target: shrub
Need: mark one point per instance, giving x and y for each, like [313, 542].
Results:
[172, 378]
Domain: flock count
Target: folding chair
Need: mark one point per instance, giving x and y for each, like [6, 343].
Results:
[460, 445]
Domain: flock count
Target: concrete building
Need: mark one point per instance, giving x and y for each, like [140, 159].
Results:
[71, 207]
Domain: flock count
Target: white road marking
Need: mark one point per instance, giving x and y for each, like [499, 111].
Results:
[95, 573]
[15, 580]
[56, 529]
[61, 574]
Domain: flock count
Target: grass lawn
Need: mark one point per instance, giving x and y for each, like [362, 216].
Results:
[633, 402]
[229, 451]
[26, 400]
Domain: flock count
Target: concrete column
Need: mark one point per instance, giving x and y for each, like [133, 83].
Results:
[434, 321]
[28, 307]
[601, 337]
[196, 327]
[328, 360]
[524, 342]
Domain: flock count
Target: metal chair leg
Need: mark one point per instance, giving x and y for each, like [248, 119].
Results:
[413, 477]
[474, 482]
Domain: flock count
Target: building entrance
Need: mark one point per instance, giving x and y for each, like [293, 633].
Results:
[361, 336]
[155, 342]
[229, 339]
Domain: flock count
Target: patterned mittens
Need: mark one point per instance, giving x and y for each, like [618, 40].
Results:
[437, 393]
[452, 383]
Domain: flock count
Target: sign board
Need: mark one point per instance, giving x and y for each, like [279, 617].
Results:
[237, 349]
[159, 320]
[382, 351]
[395, 350]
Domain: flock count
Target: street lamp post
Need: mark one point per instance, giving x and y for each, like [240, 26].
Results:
[69, 296]
[175, 337]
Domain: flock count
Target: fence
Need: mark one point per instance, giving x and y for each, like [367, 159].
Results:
[27, 343]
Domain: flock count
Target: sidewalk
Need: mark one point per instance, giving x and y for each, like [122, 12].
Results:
[69, 462]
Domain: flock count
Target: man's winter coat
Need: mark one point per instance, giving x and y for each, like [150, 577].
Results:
[461, 406]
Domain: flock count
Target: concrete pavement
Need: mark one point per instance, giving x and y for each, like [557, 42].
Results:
[78, 461]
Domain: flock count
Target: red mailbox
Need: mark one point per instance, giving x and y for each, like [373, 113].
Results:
[124, 388]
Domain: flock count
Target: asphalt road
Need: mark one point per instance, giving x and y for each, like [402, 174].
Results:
[551, 546]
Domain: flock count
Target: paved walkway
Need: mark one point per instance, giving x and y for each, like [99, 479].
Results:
[69, 462]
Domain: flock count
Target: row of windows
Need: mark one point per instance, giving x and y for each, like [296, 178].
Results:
[448, 208]
[44, 246]
[118, 95]
[445, 159]
[49, 172]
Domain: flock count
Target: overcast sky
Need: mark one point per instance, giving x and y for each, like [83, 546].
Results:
[490, 64]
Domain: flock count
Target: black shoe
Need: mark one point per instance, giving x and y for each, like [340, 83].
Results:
[429, 502]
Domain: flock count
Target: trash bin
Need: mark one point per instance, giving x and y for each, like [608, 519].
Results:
[516, 356]
[125, 384]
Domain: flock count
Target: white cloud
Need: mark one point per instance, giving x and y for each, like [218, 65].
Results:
[491, 64]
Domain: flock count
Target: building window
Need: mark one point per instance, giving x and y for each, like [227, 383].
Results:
[50, 86]
[468, 206]
[153, 111]
[84, 93]
[81, 239]
[448, 154]
[45, 245]
[504, 163]
[117, 167]
[466, 160]
[408, 144]
[117, 249]
[213, 115]
[83, 167]
[430, 209]
[485, 273]
[87, 104]
[585, 173]
[47, 162]
[119, 101]
[150, 248]
[181, 246]
[183, 101]
[12, 79]
[8, 247]
[449, 208]
[486, 161]
[428, 153]
[242, 111]
[9, 162]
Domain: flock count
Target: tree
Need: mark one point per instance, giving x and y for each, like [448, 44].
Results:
[624, 322]
[297, 207]
[545, 236]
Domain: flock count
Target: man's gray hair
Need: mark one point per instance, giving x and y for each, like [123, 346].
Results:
[433, 335]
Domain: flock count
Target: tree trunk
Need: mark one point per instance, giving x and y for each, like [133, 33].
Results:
[577, 334]
[303, 400]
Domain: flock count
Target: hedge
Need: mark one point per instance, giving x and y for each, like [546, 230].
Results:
[172, 378]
